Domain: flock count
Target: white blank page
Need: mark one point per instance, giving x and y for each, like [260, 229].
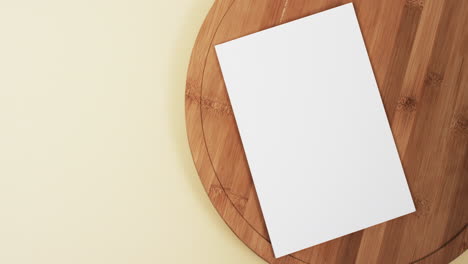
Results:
[317, 140]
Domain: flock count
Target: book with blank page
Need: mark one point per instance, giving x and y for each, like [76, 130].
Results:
[314, 130]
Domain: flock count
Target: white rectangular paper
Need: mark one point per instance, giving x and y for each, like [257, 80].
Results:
[317, 140]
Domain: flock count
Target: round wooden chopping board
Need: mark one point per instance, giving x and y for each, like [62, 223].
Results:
[418, 50]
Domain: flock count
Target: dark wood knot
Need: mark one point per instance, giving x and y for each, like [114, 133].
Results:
[215, 190]
[191, 95]
[406, 103]
[422, 207]
[418, 4]
[216, 106]
[433, 79]
[460, 124]
[239, 201]
[209, 104]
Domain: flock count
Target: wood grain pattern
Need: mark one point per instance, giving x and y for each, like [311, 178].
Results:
[418, 50]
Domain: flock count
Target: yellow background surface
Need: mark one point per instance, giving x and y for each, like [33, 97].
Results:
[94, 161]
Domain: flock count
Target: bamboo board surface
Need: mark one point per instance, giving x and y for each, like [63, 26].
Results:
[419, 52]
